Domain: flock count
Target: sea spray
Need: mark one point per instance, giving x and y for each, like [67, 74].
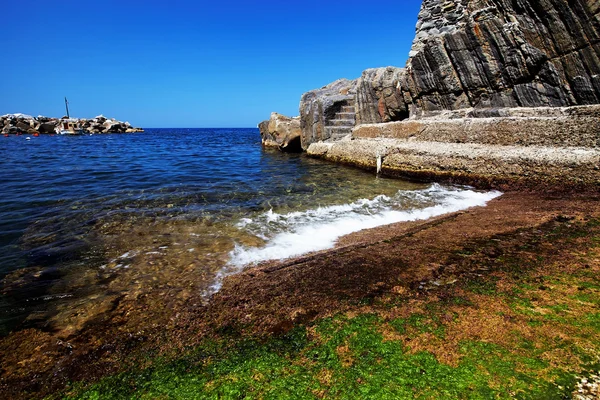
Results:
[297, 233]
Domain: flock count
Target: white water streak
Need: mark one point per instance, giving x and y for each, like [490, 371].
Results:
[298, 233]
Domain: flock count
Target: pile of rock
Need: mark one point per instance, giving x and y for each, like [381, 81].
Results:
[26, 124]
[101, 124]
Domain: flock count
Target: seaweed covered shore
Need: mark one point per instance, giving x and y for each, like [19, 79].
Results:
[494, 301]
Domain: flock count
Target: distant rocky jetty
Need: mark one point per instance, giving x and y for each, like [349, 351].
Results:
[26, 124]
[492, 91]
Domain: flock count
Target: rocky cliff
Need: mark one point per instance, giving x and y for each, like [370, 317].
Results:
[501, 92]
[328, 113]
[479, 54]
[504, 53]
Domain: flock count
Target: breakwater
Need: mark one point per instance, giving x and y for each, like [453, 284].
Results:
[26, 124]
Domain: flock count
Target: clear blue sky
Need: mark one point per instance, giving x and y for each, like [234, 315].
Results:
[174, 63]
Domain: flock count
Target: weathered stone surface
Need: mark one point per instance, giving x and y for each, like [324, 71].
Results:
[319, 107]
[531, 146]
[23, 126]
[509, 63]
[281, 132]
[488, 54]
[46, 127]
[577, 126]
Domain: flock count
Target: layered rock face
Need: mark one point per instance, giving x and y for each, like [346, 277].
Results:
[22, 124]
[379, 98]
[505, 53]
[496, 91]
[491, 54]
[281, 132]
[483, 54]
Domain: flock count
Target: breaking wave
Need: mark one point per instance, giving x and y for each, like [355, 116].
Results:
[297, 233]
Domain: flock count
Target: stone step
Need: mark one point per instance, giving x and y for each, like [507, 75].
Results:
[345, 115]
[342, 122]
[339, 136]
[351, 109]
[338, 130]
[336, 138]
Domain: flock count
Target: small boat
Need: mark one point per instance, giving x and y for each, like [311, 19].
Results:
[69, 127]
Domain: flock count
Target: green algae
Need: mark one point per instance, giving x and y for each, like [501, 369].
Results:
[553, 326]
[346, 358]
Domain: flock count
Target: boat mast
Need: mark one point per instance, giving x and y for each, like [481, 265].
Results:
[67, 106]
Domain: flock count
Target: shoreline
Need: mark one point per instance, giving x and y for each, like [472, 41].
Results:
[274, 297]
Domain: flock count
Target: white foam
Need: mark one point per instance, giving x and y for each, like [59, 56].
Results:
[296, 233]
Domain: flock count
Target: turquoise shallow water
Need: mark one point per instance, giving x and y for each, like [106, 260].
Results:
[83, 218]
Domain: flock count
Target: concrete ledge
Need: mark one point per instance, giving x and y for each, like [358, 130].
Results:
[571, 166]
[544, 126]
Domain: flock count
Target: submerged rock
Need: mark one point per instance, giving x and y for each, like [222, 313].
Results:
[281, 132]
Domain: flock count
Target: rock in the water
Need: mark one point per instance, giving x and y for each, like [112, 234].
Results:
[281, 132]
[47, 127]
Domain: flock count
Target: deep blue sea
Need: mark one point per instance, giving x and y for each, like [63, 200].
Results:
[82, 216]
